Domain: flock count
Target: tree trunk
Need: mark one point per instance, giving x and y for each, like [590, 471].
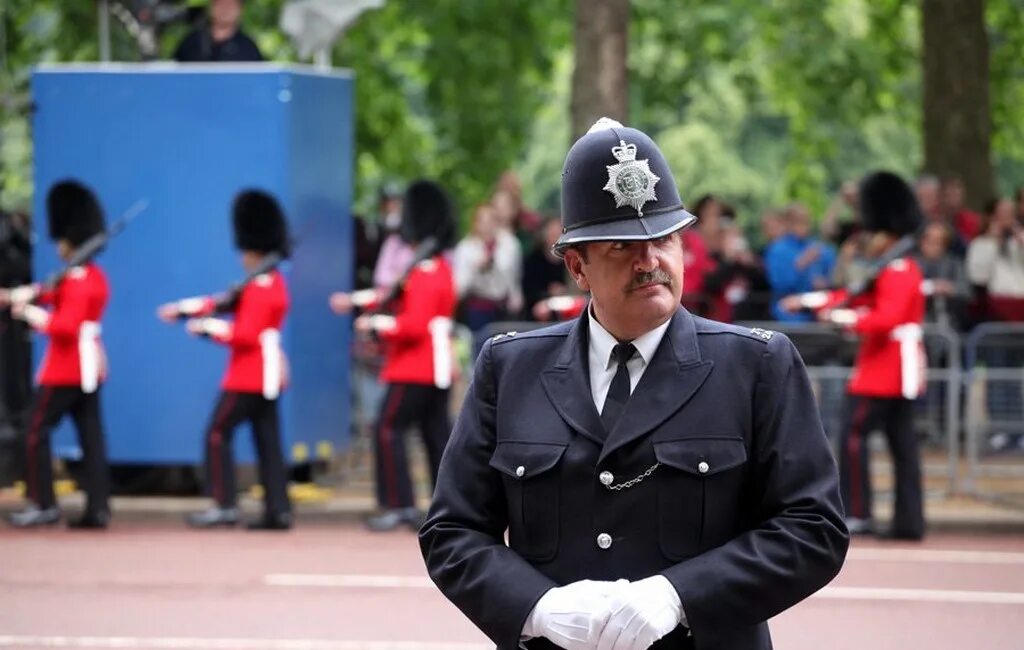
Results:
[599, 81]
[957, 118]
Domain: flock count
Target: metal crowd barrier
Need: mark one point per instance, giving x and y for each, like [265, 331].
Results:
[994, 388]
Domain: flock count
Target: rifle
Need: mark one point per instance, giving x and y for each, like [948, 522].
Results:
[84, 253]
[427, 249]
[227, 300]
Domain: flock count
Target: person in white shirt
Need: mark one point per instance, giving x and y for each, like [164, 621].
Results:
[488, 266]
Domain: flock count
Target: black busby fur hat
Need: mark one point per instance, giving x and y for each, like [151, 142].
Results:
[74, 213]
[427, 212]
[888, 204]
[259, 223]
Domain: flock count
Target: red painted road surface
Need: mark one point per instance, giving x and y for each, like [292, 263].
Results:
[336, 587]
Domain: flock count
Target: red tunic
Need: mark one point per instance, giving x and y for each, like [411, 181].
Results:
[418, 346]
[74, 355]
[257, 363]
[891, 360]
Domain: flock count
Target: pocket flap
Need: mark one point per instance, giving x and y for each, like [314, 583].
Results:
[701, 456]
[526, 459]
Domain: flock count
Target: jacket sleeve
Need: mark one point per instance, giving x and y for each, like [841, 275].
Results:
[66, 319]
[889, 306]
[801, 540]
[463, 539]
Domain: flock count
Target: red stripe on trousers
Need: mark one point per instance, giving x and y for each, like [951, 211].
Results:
[216, 440]
[31, 476]
[388, 416]
[853, 448]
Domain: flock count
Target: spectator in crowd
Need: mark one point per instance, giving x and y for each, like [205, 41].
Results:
[543, 271]
[966, 222]
[928, 190]
[797, 262]
[842, 217]
[737, 288]
[1020, 204]
[852, 264]
[945, 285]
[218, 37]
[995, 262]
[697, 260]
[772, 228]
[370, 233]
[508, 199]
[708, 210]
[487, 269]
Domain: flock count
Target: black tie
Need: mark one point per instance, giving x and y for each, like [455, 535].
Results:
[618, 393]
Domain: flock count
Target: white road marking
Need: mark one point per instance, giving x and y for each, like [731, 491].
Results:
[934, 555]
[188, 643]
[922, 595]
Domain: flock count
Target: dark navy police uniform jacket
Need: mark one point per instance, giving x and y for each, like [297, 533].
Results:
[741, 513]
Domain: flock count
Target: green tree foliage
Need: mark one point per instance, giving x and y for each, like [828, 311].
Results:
[763, 101]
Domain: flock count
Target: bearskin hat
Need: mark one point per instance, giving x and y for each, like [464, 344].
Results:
[888, 204]
[259, 223]
[74, 212]
[427, 212]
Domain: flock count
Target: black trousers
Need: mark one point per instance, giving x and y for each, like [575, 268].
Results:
[232, 409]
[894, 416]
[49, 406]
[405, 406]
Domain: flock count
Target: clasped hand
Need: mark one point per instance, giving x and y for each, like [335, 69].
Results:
[601, 615]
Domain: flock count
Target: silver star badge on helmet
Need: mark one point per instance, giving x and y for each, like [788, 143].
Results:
[630, 181]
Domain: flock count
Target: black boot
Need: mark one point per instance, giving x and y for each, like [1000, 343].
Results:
[272, 521]
[91, 520]
[213, 517]
[395, 517]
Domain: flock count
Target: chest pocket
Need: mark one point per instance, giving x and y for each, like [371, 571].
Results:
[699, 488]
[532, 476]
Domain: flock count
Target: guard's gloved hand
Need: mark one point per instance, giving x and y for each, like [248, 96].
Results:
[641, 613]
[213, 327]
[572, 616]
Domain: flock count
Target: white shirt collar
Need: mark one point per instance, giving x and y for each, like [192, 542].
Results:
[602, 342]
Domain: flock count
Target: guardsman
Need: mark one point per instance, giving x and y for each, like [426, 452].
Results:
[74, 366]
[257, 369]
[889, 373]
[663, 479]
[418, 365]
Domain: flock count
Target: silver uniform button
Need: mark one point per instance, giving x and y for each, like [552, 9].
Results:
[520, 471]
[606, 478]
[703, 467]
[604, 541]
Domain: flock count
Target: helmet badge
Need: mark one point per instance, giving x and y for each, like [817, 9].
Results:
[630, 181]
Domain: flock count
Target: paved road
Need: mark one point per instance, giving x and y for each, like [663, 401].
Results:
[336, 587]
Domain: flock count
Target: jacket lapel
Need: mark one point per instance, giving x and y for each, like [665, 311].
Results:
[675, 373]
[567, 384]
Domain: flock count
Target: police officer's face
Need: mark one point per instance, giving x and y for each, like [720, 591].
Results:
[634, 286]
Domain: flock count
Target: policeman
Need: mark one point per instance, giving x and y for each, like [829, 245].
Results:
[74, 366]
[888, 375]
[257, 369]
[664, 479]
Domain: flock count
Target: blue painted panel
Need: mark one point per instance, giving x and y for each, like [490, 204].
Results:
[188, 140]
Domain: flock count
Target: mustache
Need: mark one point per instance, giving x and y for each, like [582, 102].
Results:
[659, 276]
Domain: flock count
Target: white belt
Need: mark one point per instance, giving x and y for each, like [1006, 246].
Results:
[440, 343]
[910, 337]
[89, 355]
[270, 347]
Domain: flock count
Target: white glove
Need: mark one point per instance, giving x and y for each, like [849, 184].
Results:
[24, 294]
[208, 327]
[35, 316]
[572, 616]
[641, 613]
